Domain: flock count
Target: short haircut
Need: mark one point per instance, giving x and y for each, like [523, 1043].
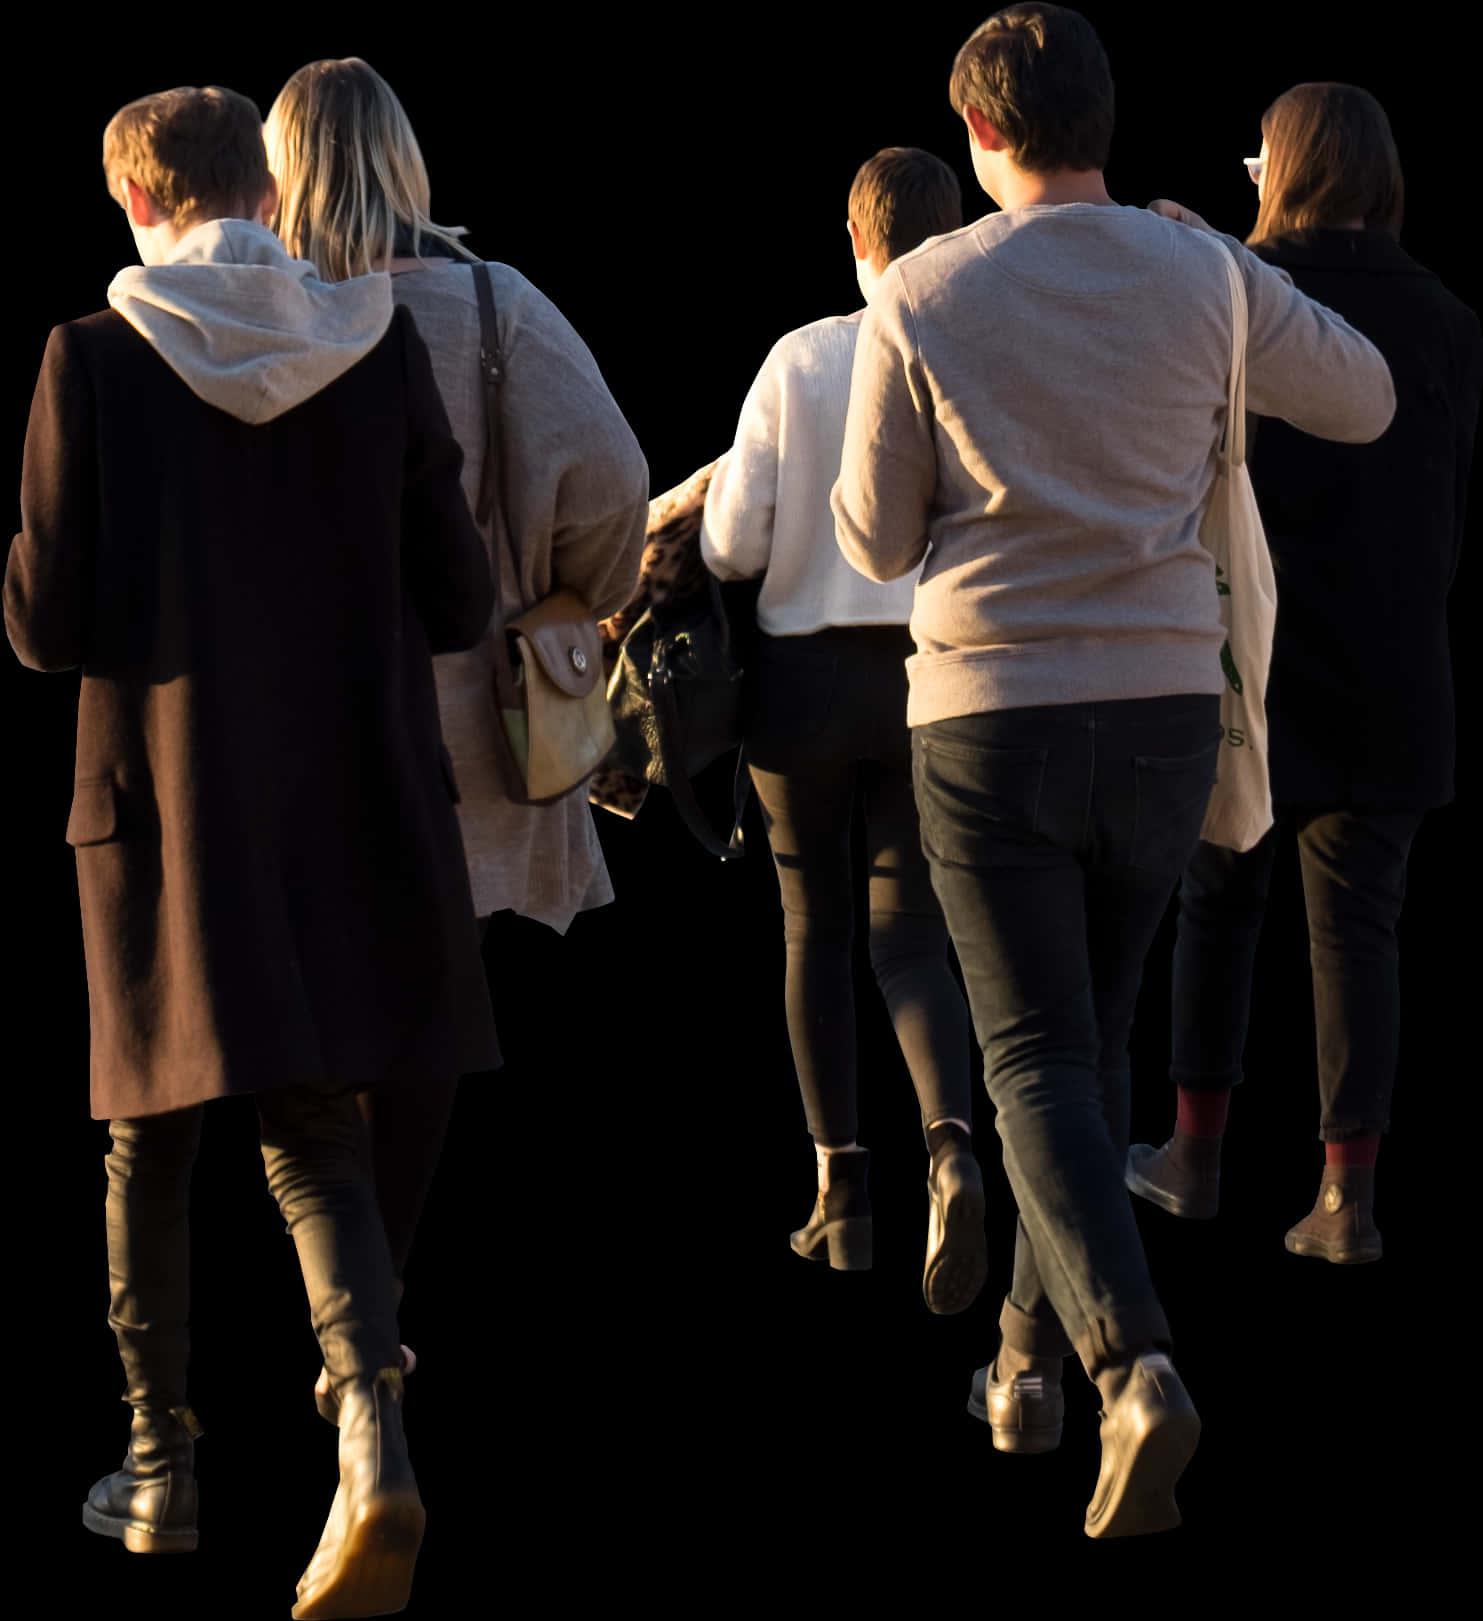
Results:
[1038, 73]
[900, 197]
[352, 184]
[1330, 159]
[197, 154]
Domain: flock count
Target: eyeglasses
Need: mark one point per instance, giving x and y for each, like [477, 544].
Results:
[1255, 167]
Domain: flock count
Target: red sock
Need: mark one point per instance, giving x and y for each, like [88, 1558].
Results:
[1356, 1151]
[1202, 1114]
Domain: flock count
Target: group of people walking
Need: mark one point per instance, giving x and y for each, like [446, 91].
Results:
[986, 615]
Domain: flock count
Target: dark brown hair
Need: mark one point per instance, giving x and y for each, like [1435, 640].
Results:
[1038, 73]
[1330, 159]
[900, 197]
[197, 154]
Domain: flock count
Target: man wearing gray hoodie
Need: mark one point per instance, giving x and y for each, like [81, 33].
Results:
[242, 518]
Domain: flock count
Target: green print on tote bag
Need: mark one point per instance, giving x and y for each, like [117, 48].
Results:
[1240, 808]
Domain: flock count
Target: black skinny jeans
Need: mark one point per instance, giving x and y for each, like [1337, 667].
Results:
[1056, 835]
[314, 1154]
[1354, 883]
[829, 725]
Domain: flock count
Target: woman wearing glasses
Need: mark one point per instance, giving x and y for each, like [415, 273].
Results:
[1365, 542]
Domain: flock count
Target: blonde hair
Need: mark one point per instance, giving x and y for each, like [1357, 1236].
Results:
[197, 154]
[349, 171]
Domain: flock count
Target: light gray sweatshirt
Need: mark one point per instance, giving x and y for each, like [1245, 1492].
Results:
[246, 327]
[1035, 407]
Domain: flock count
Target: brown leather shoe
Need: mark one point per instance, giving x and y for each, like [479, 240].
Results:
[150, 1504]
[1024, 1413]
[1149, 1433]
[1182, 1177]
[841, 1229]
[1340, 1227]
[363, 1564]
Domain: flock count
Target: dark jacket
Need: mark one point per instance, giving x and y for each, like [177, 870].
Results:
[1365, 541]
[271, 875]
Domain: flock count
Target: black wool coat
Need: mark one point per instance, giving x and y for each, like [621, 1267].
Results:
[271, 875]
[1365, 541]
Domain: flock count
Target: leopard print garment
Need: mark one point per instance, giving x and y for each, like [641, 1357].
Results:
[671, 566]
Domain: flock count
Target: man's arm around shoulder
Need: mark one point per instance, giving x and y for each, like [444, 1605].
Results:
[1304, 363]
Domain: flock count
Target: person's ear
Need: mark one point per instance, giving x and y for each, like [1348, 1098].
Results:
[984, 135]
[140, 207]
[855, 241]
[267, 209]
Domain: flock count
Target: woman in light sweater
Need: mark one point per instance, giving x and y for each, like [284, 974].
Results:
[354, 198]
[827, 732]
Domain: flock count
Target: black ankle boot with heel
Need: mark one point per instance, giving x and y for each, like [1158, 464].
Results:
[841, 1229]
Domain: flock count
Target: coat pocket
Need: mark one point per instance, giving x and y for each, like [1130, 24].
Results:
[94, 818]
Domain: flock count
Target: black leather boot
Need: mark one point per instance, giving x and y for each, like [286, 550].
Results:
[366, 1554]
[841, 1229]
[957, 1248]
[150, 1503]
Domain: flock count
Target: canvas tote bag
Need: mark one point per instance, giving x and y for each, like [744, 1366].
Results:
[1240, 808]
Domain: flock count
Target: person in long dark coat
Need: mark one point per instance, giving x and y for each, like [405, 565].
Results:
[242, 517]
[1365, 542]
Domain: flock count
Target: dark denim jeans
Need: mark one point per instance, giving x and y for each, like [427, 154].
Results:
[314, 1154]
[1056, 835]
[1354, 883]
[828, 730]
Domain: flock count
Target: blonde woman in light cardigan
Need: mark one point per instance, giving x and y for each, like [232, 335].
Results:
[354, 199]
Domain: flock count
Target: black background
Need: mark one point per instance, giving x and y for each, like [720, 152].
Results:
[631, 1392]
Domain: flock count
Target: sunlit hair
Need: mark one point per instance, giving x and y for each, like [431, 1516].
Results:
[1330, 159]
[196, 154]
[1038, 73]
[349, 172]
[900, 197]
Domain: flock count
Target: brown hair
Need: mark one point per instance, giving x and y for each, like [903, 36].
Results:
[1038, 73]
[197, 154]
[1330, 158]
[350, 173]
[900, 197]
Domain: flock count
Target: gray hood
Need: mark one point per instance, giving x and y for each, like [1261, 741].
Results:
[248, 329]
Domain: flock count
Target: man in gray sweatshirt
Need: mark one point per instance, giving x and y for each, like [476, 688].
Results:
[1035, 408]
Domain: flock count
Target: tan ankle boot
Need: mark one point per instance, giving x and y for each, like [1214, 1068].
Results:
[366, 1554]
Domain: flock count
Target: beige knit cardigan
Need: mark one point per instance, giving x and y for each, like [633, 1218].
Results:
[576, 492]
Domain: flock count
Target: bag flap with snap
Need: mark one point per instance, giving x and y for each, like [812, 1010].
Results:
[563, 636]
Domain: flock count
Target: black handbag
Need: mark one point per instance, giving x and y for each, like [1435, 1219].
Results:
[677, 698]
